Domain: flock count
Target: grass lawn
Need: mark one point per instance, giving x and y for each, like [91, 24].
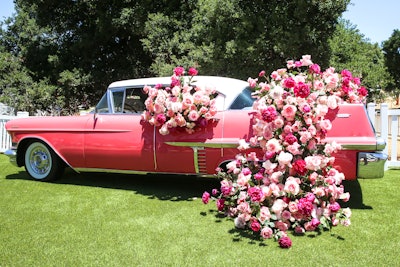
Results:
[127, 220]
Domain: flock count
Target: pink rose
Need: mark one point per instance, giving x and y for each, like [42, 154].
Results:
[273, 145]
[315, 68]
[278, 206]
[289, 112]
[192, 72]
[160, 118]
[265, 214]
[284, 158]
[193, 115]
[206, 197]
[289, 82]
[281, 226]
[220, 204]
[255, 226]
[299, 166]
[179, 71]
[301, 90]
[285, 242]
[292, 185]
[266, 233]
[334, 207]
[255, 193]
[269, 114]
[252, 82]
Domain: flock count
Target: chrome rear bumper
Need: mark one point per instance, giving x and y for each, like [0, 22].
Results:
[12, 155]
[371, 164]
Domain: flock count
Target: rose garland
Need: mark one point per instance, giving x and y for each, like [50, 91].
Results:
[294, 186]
[180, 106]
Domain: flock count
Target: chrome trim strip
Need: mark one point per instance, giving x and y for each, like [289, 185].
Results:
[362, 147]
[343, 115]
[195, 159]
[154, 148]
[218, 143]
[137, 172]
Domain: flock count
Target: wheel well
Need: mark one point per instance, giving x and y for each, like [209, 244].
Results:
[23, 145]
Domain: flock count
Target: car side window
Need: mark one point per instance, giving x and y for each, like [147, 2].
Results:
[118, 98]
[102, 106]
[134, 100]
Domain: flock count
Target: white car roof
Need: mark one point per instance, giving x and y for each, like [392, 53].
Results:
[228, 87]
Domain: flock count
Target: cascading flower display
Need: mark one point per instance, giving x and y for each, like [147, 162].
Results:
[180, 105]
[293, 185]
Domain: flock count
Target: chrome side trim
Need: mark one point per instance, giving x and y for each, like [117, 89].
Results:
[154, 148]
[234, 143]
[215, 143]
[195, 159]
[362, 147]
[79, 170]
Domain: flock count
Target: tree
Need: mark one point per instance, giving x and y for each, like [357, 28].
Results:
[79, 47]
[350, 50]
[391, 48]
[239, 38]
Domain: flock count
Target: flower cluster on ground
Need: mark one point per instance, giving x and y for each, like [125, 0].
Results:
[292, 185]
[181, 105]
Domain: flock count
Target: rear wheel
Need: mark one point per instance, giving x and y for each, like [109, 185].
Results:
[41, 162]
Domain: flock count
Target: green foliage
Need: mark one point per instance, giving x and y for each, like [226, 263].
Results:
[20, 91]
[350, 50]
[391, 48]
[238, 38]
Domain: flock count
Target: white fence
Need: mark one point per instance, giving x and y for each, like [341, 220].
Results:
[5, 138]
[386, 123]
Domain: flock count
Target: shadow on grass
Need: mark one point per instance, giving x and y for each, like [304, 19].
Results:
[168, 186]
[160, 186]
[356, 196]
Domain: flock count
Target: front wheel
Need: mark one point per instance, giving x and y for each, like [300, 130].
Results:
[41, 162]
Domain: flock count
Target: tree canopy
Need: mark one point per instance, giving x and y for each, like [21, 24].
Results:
[71, 50]
[391, 48]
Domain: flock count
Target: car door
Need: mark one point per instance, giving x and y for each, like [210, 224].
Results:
[116, 137]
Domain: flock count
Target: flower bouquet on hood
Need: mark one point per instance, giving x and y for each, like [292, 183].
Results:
[294, 185]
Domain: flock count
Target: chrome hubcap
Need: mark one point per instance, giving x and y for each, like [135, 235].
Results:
[40, 161]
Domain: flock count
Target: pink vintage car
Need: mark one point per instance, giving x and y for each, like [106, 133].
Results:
[115, 138]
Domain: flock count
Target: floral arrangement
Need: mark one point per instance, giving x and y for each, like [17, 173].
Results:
[293, 184]
[180, 106]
